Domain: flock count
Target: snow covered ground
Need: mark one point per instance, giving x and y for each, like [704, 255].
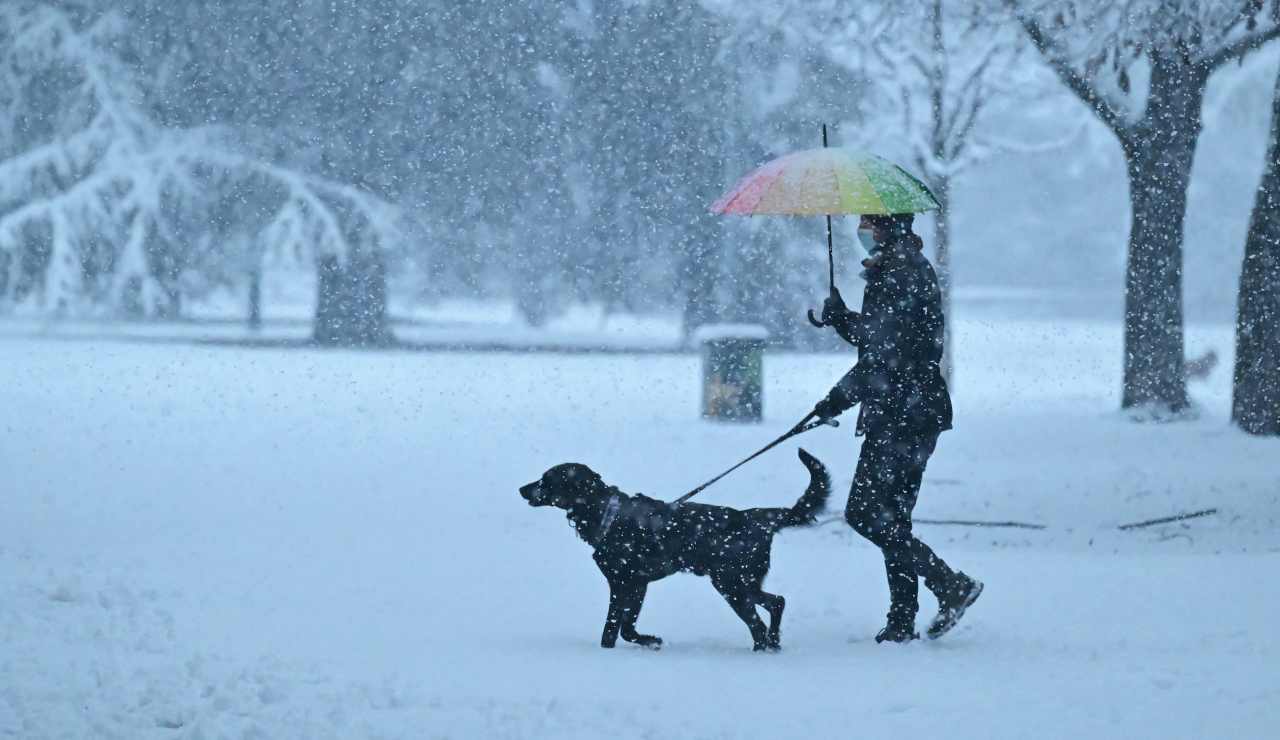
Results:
[211, 542]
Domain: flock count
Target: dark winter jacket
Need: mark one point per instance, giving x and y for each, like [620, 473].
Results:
[898, 378]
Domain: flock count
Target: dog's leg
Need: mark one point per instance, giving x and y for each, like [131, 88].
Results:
[613, 622]
[625, 600]
[743, 603]
[630, 613]
[774, 604]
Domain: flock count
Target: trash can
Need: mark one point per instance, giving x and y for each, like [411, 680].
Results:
[732, 370]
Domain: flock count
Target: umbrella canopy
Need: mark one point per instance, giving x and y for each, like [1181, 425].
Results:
[832, 181]
[829, 182]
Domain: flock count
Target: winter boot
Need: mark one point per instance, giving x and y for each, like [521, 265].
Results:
[899, 629]
[953, 602]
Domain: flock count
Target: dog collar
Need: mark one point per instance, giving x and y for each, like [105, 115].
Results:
[610, 516]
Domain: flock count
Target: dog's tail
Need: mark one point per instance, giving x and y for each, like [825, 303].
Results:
[814, 499]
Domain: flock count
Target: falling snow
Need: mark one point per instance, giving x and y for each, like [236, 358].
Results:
[294, 296]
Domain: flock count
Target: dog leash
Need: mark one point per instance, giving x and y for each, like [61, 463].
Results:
[804, 426]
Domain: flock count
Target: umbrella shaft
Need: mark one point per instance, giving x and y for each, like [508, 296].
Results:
[831, 259]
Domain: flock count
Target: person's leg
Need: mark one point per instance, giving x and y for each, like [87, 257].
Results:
[955, 591]
[913, 457]
[874, 511]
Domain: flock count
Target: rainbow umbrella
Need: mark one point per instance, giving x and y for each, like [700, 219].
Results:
[827, 181]
[833, 181]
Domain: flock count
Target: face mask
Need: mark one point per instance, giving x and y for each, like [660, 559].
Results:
[868, 239]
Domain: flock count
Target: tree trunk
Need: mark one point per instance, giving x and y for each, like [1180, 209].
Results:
[255, 299]
[171, 308]
[351, 302]
[532, 298]
[937, 83]
[1255, 403]
[1159, 156]
[942, 261]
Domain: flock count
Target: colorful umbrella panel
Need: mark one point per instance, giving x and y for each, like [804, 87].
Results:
[832, 181]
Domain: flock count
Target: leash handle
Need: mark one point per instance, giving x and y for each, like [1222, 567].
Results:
[800, 428]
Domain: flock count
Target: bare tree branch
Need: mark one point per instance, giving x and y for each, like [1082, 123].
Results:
[1249, 9]
[1241, 48]
[961, 139]
[1082, 88]
[969, 96]
[921, 65]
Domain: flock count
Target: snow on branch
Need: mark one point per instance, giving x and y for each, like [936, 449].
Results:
[1104, 50]
[1077, 82]
[955, 60]
[98, 195]
[934, 68]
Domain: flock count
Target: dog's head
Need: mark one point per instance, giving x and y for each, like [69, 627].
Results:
[563, 486]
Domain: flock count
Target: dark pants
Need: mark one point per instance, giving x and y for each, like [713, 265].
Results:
[884, 493]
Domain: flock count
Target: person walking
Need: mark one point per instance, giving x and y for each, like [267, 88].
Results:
[905, 407]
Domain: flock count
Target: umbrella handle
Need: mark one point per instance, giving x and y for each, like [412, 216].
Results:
[815, 320]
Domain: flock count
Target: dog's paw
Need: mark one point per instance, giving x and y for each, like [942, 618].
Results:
[649, 641]
[767, 647]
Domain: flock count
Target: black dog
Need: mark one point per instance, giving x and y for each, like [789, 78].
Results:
[638, 539]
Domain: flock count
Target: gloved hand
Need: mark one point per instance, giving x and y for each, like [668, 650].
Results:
[834, 308]
[828, 408]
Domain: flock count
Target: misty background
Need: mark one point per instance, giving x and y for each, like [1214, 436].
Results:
[518, 160]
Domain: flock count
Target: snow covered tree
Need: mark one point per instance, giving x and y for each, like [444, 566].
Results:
[96, 198]
[940, 65]
[73, 127]
[931, 70]
[1256, 390]
[647, 127]
[1142, 67]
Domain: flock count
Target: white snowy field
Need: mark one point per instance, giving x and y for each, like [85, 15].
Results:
[210, 543]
